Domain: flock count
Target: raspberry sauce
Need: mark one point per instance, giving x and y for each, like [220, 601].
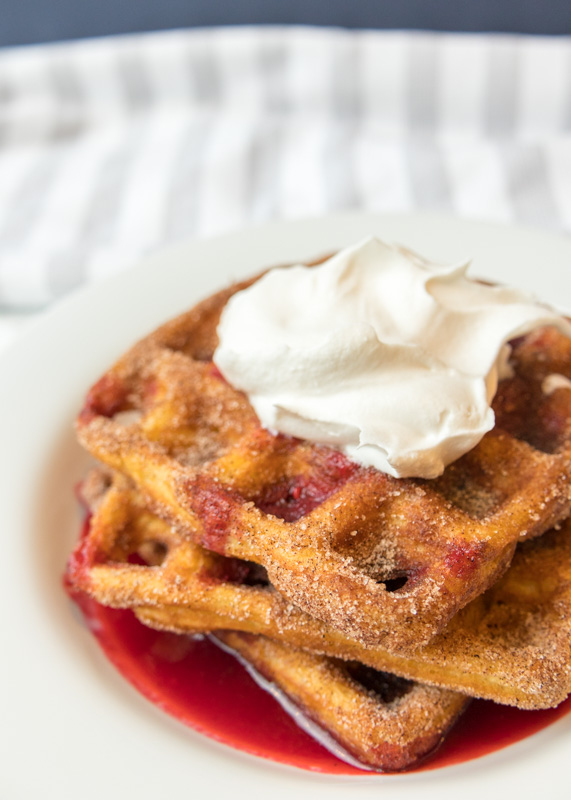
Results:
[208, 690]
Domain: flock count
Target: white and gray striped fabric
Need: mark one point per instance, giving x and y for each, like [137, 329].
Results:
[111, 147]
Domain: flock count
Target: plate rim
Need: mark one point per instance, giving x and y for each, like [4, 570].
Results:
[51, 327]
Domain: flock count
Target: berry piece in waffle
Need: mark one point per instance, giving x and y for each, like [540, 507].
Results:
[385, 561]
[512, 644]
[384, 722]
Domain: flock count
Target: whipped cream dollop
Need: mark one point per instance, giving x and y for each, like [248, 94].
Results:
[377, 352]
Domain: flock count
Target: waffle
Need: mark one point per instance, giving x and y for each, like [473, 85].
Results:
[511, 644]
[383, 560]
[385, 722]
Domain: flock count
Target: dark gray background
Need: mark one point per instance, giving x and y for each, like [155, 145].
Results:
[28, 21]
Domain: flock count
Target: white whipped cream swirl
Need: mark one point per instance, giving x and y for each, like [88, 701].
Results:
[387, 357]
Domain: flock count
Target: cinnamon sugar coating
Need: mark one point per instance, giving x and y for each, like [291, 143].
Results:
[386, 562]
[512, 644]
[385, 722]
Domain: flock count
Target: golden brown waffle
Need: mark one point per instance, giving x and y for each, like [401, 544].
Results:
[511, 644]
[384, 560]
[385, 722]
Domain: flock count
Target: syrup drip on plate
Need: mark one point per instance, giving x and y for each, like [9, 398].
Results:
[207, 689]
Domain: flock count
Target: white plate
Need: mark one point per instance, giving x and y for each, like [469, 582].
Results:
[70, 726]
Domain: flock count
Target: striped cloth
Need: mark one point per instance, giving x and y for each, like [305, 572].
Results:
[111, 147]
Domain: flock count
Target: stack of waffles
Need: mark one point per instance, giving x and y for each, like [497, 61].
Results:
[378, 605]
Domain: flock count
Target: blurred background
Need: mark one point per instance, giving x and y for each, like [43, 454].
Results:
[27, 21]
[126, 125]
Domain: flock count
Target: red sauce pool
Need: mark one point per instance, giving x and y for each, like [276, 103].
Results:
[208, 690]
